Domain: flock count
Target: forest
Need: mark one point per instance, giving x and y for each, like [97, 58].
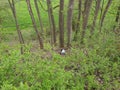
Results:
[59, 45]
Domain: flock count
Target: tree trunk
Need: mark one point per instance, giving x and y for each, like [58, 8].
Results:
[52, 21]
[69, 21]
[87, 6]
[101, 10]
[97, 8]
[12, 6]
[117, 20]
[118, 15]
[39, 16]
[34, 23]
[116, 29]
[104, 13]
[50, 24]
[61, 23]
[78, 19]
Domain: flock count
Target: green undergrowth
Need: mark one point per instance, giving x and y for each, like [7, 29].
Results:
[87, 68]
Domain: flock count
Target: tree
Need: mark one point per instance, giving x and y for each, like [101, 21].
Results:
[52, 21]
[39, 16]
[78, 19]
[87, 6]
[34, 23]
[61, 23]
[118, 16]
[117, 20]
[104, 13]
[69, 21]
[12, 6]
[97, 8]
[101, 9]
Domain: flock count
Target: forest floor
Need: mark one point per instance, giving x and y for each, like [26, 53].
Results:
[93, 66]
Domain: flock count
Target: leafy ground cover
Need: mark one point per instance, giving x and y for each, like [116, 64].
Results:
[92, 68]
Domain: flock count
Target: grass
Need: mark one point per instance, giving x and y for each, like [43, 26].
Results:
[23, 16]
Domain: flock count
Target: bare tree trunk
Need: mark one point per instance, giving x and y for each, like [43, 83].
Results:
[61, 23]
[118, 16]
[97, 8]
[101, 10]
[104, 13]
[78, 19]
[69, 21]
[50, 24]
[39, 16]
[116, 29]
[34, 23]
[52, 21]
[12, 6]
[87, 6]
[117, 20]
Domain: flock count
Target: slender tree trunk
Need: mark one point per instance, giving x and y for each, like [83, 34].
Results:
[12, 6]
[97, 8]
[118, 14]
[78, 19]
[117, 20]
[52, 21]
[34, 23]
[104, 13]
[39, 16]
[69, 21]
[116, 29]
[61, 23]
[87, 6]
[101, 10]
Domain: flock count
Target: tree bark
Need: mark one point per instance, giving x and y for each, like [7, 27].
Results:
[78, 19]
[21, 40]
[97, 8]
[69, 21]
[104, 13]
[52, 21]
[39, 16]
[61, 23]
[34, 23]
[87, 6]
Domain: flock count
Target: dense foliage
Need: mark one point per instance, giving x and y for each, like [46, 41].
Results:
[94, 65]
[93, 68]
